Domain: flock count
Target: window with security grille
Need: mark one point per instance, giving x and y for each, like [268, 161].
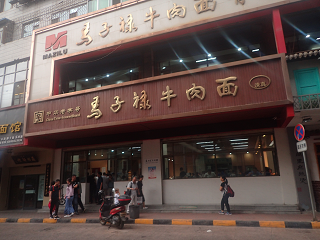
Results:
[28, 28]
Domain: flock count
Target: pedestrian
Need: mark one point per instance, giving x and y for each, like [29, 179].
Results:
[93, 185]
[110, 185]
[75, 200]
[99, 186]
[133, 187]
[225, 196]
[79, 198]
[54, 199]
[140, 192]
[116, 196]
[69, 211]
[105, 178]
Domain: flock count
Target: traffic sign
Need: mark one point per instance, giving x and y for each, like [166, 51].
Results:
[302, 146]
[299, 132]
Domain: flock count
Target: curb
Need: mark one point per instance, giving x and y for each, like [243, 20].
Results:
[235, 223]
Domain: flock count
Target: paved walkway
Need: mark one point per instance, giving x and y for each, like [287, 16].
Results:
[291, 220]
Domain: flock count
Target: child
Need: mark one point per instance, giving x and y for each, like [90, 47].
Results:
[116, 196]
[69, 198]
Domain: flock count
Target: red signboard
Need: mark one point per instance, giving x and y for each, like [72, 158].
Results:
[55, 42]
[217, 89]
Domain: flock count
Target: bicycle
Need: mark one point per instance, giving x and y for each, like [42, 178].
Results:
[62, 200]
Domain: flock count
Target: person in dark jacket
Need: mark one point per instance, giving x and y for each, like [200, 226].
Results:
[140, 192]
[225, 196]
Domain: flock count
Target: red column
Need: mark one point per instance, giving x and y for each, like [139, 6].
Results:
[278, 31]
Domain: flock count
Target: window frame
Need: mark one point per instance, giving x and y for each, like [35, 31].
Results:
[24, 81]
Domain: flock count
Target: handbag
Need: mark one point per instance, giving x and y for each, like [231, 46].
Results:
[128, 192]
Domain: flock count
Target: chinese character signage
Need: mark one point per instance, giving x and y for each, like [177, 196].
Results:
[210, 91]
[11, 127]
[22, 159]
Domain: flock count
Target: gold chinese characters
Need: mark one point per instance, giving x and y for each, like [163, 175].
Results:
[117, 104]
[240, 1]
[256, 84]
[194, 92]
[151, 16]
[96, 113]
[38, 117]
[203, 6]
[15, 127]
[106, 29]
[176, 11]
[85, 37]
[144, 100]
[130, 24]
[225, 88]
[168, 95]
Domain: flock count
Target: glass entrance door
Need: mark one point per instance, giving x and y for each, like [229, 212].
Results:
[30, 193]
[16, 192]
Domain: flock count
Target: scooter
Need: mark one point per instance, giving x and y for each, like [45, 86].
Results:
[114, 214]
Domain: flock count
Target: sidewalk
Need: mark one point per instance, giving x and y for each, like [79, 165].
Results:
[291, 220]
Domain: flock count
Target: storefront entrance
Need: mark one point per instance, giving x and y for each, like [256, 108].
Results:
[26, 192]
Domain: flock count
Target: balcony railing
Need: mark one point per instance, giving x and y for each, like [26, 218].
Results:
[303, 102]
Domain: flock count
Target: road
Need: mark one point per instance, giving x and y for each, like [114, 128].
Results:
[31, 231]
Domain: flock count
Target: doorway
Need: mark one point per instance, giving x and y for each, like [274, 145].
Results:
[24, 192]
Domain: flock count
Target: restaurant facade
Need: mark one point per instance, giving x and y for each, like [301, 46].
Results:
[181, 92]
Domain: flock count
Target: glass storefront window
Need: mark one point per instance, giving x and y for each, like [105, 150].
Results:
[242, 156]
[121, 162]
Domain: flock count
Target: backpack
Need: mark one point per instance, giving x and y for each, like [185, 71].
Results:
[230, 192]
[128, 192]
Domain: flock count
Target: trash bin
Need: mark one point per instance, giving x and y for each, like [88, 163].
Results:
[134, 211]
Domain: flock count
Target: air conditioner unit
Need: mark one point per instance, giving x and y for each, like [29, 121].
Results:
[13, 1]
[24, 1]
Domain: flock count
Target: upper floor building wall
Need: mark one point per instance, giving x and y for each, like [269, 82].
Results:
[114, 27]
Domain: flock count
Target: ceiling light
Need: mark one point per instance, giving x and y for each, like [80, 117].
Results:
[87, 80]
[237, 143]
[256, 50]
[230, 153]
[122, 152]
[89, 153]
[271, 144]
[202, 60]
[211, 145]
[131, 70]
[239, 49]
[263, 135]
[210, 148]
[247, 152]
[112, 150]
[237, 140]
[108, 75]
[204, 142]
[181, 60]
[318, 38]
[209, 55]
[212, 58]
[308, 36]
[164, 68]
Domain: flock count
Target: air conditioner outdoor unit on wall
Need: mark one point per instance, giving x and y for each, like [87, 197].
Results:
[24, 1]
[13, 1]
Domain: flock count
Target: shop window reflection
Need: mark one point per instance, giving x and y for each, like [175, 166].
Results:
[121, 162]
[242, 156]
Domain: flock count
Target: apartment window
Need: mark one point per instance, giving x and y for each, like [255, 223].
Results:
[238, 156]
[74, 12]
[29, 27]
[13, 78]
[100, 4]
